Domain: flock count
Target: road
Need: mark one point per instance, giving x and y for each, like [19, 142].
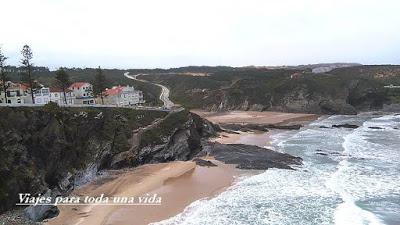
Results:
[164, 96]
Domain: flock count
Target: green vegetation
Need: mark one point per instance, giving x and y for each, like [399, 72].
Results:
[164, 129]
[62, 81]
[27, 76]
[275, 89]
[99, 84]
[3, 74]
[39, 145]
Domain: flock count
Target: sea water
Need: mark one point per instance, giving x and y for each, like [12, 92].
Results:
[348, 176]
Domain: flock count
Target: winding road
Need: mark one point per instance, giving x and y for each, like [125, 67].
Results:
[164, 96]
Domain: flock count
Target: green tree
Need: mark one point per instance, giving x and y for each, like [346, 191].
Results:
[62, 81]
[99, 85]
[26, 62]
[3, 75]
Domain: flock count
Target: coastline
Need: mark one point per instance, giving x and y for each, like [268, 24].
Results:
[177, 183]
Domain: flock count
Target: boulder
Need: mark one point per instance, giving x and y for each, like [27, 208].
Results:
[321, 153]
[122, 159]
[251, 157]
[202, 162]
[376, 128]
[39, 213]
[346, 125]
[332, 107]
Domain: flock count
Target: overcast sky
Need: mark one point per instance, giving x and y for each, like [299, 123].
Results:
[172, 33]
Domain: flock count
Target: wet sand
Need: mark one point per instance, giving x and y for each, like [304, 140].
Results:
[255, 117]
[261, 139]
[177, 183]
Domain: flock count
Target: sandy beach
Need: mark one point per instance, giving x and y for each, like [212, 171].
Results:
[261, 139]
[177, 183]
[255, 117]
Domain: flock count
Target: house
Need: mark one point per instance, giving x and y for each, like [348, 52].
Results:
[123, 96]
[296, 76]
[42, 95]
[16, 93]
[83, 93]
[57, 96]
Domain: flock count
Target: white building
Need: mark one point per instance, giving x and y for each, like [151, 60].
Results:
[123, 96]
[42, 96]
[57, 96]
[16, 94]
[83, 93]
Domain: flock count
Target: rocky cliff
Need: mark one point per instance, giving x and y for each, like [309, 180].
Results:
[340, 91]
[55, 149]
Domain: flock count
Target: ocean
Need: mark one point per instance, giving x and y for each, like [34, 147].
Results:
[348, 176]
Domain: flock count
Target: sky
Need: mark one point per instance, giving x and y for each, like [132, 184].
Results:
[174, 33]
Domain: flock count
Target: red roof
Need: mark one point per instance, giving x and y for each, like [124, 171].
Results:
[78, 85]
[24, 86]
[113, 91]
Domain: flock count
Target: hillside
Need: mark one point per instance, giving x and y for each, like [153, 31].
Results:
[56, 148]
[345, 90]
[340, 91]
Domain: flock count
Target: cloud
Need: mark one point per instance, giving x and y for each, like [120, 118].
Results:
[159, 33]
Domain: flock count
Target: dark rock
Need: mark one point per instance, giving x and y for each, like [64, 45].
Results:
[39, 213]
[244, 127]
[202, 162]
[351, 126]
[285, 127]
[123, 159]
[332, 107]
[376, 128]
[252, 157]
[396, 128]
[324, 127]
[321, 153]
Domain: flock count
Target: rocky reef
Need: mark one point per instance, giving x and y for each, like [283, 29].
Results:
[251, 157]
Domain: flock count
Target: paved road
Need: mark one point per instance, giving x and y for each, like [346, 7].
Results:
[164, 96]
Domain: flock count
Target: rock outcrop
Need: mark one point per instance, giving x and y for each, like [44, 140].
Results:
[61, 148]
[251, 157]
[56, 148]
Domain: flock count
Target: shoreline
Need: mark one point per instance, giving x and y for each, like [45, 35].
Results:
[178, 183]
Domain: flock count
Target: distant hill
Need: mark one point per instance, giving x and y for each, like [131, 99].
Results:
[343, 90]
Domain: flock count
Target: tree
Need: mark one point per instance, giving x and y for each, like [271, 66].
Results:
[99, 84]
[26, 62]
[63, 82]
[3, 75]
